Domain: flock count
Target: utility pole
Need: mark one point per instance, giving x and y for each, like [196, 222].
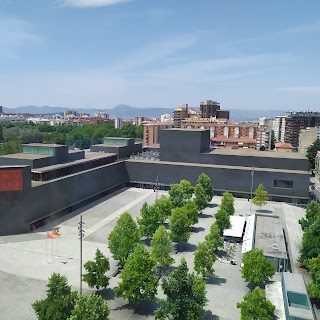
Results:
[81, 235]
[157, 189]
[252, 173]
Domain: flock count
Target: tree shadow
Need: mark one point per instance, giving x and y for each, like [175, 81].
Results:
[197, 229]
[167, 270]
[204, 215]
[212, 205]
[166, 225]
[215, 280]
[146, 242]
[128, 306]
[107, 294]
[252, 286]
[221, 253]
[146, 308]
[186, 247]
[208, 315]
[264, 211]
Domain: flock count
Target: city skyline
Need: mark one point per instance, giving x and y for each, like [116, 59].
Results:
[100, 53]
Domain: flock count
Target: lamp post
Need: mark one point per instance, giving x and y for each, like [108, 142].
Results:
[252, 173]
[81, 235]
[156, 189]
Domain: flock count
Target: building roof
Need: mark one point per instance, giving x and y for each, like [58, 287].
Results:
[44, 145]
[269, 236]
[283, 145]
[236, 228]
[248, 237]
[26, 156]
[256, 153]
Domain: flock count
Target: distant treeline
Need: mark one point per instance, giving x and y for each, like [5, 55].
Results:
[13, 134]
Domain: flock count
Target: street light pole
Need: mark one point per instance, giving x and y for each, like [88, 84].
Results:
[81, 235]
[252, 173]
[157, 188]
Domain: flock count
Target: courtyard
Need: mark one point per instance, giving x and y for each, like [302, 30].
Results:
[28, 260]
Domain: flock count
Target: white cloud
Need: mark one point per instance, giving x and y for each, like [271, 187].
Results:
[89, 3]
[302, 89]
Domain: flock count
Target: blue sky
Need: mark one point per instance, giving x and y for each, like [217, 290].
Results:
[146, 53]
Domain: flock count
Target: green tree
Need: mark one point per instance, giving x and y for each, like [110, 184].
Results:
[314, 287]
[256, 306]
[213, 238]
[150, 219]
[180, 193]
[161, 247]
[261, 196]
[60, 300]
[192, 211]
[179, 225]
[312, 152]
[139, 277]
[96, 271]
[185, 295]
[91, 307]
[312, 214]
[204, 259]
[123, 238]
[227, 203]
[256, 267]
[222, 219]
[201, 199]
[205, 181]
[165, 208]
[310, 243]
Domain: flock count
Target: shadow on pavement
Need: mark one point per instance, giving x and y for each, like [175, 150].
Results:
[216, 280]
[204, 215]
[107, 294]
[208, 315]
[146, 308]
[212, 205]
[186, 247]
[197, 229]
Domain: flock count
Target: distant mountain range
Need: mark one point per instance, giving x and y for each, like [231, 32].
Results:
[128, 112]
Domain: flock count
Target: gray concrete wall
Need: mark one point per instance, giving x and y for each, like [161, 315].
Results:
[53, 196]
[234, 160]
[76, 155]
[228, 178]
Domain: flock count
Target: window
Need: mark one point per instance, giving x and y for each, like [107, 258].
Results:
[285, 184]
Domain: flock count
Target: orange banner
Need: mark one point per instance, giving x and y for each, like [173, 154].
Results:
[11, 180]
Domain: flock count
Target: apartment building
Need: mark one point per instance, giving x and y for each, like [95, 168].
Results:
[179, 114]
[151, 132]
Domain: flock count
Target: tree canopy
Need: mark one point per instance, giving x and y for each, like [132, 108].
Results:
[261, 196]
[165, 208]
[256, 306]
[60, 300]
[310, 243]
[204, 258]
[161, 247]
[314, 287]
[185, 295]
[96, 271]
[192, 211]
[205, 181]
[222, 219]
[227, 203]
[256, 267]
[213, 237]
[139, 277]
[123, 238]
[180, 225]
[149, 219]
[312, 214]
[312, 152]
[91, 307]
[201, 199]
[180, 193]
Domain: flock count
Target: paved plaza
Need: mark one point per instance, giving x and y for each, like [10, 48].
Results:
[26, 260]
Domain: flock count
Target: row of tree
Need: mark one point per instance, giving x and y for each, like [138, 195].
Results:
[310, 249]
[12, 135]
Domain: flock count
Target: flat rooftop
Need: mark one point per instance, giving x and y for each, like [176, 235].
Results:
[269, 236]
[46, 145]
[184, 129]
[256, 153]
[236, 228]
[89, 156]
[26, 156]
